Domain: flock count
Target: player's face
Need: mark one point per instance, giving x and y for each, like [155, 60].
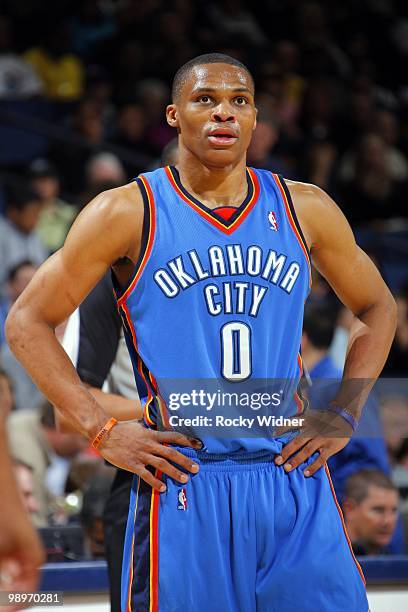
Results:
[215, 114]
[376, 516]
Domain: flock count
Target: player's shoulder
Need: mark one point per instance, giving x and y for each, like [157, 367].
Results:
[304, 191]
[316, 211]
[117, 205]
[298, 190]
[131, 194]
[120, 197]
[311, 200]
[114, 217]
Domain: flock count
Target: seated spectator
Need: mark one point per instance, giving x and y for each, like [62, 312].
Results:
[26, 394]
[18, 79]
[60, 71]
[394, 413]
[103, 171]
[370, 510]
[18, 278]
[18, 237]
[56, 216]
[25, 481]
[6, 395]
[35, 440]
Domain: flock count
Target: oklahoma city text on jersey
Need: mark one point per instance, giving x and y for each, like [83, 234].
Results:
[229, 260]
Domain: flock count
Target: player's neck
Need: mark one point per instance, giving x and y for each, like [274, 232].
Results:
[214, 186]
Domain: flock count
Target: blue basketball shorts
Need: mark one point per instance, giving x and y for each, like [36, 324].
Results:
[241, 536]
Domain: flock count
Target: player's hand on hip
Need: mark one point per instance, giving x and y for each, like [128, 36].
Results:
[322, 432]
[132, 447]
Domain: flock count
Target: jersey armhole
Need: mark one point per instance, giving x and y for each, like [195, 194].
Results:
[293, 220]
[146, 243]
[293, 213]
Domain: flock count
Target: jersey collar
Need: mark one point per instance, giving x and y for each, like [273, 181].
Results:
[225, 225]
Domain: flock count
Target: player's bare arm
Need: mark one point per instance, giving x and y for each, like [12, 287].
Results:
[121, 408]
[358, 284]
[107, 232]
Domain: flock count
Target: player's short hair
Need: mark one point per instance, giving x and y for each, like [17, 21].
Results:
[358, 484]
[319, 323]
[182, 73]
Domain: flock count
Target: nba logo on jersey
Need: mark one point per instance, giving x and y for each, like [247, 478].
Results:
[182, 500]
[272, 220]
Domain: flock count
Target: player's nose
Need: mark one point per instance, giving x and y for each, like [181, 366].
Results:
[223, 112]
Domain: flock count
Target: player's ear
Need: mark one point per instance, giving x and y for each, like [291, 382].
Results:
[172, 116]
[256, 115]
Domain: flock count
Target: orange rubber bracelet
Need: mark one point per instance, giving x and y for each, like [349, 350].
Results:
[97, 441]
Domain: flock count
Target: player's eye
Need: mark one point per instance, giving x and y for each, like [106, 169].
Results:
[241, 101]
[204, 99]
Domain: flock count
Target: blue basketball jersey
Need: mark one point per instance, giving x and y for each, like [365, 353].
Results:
[216, 299]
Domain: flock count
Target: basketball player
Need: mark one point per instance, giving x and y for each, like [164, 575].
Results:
[212, 266]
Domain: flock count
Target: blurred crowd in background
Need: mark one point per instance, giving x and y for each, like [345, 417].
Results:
[83, 90]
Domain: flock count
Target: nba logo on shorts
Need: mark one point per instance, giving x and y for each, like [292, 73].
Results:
[272, 220]
[182, 500]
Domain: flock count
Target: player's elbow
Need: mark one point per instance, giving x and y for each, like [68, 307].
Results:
[382, 311]
[387, 310]
[12, 327]
[17, 325]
